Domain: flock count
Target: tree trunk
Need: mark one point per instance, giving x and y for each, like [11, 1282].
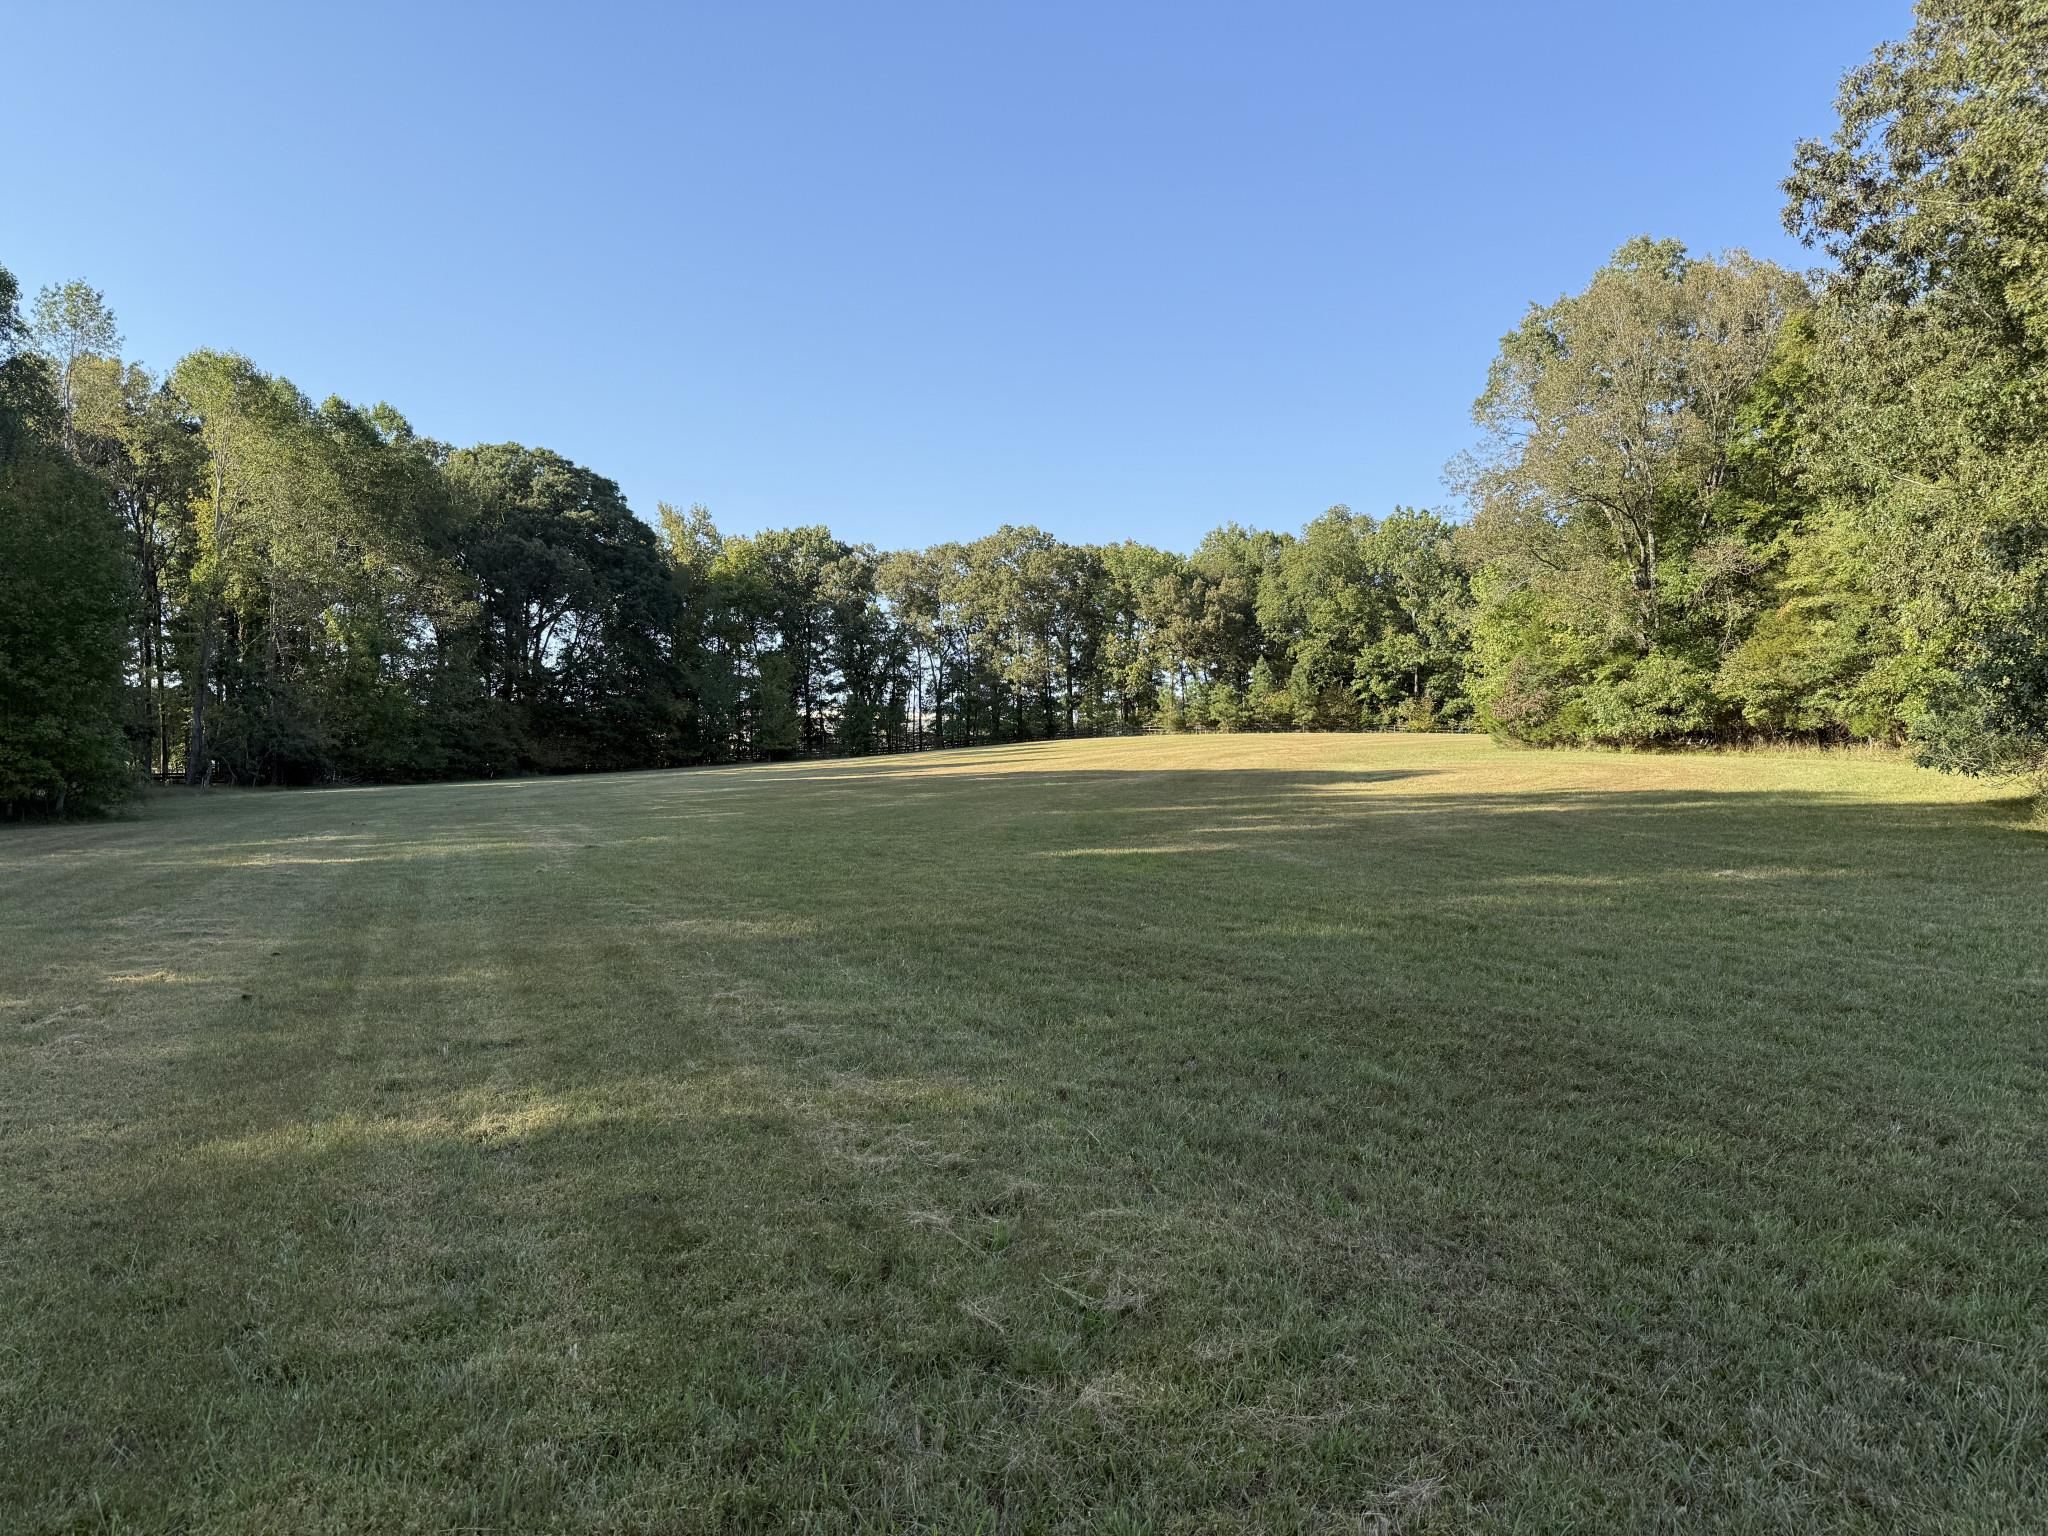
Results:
[195, 754]
[1648, 583]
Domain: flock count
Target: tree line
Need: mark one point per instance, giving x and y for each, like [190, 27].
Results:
[1711, 499]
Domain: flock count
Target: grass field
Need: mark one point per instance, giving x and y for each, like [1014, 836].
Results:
[1324, 1133]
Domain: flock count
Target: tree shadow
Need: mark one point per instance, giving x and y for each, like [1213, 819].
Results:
[1138, 1129]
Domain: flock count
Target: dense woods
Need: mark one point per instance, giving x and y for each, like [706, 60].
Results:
[1711, 500]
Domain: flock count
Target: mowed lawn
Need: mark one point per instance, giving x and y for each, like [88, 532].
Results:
[1364, 1133]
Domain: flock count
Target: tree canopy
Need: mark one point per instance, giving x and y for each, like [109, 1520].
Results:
[1711, 500]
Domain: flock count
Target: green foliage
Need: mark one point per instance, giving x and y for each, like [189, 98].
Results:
[1367, 620]
[1267, 705]
[1709, 504]
[1226, 707]
[1634, 496]
[777, 732]
[70, 328]
[64, 592]
[1991, 717]
[576, 611]
[324, 595]
[64, 589]
[1930, 440]
[1661, 697]
[1710, 509]
[1920, 195]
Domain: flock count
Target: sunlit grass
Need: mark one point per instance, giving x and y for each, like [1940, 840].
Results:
[1327, 1133]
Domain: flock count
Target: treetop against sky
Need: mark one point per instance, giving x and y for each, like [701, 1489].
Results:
[910, 271]
[1711, 497]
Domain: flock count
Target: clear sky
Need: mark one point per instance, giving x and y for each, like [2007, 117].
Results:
[914, 271]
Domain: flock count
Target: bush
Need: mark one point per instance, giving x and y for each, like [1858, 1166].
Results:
[1226, 708]
[1418, 715]
[1522, 702]
[1661, 698]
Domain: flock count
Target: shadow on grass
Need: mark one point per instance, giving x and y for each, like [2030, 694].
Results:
[1236, 1141]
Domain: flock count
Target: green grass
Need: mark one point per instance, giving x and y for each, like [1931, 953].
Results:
[1325, 1133]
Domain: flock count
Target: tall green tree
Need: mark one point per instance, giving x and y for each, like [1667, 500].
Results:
[1930, 444]
[715, 642]
[72, 325]
[1411, 670]
[64, 600]
[578, 611]
[1609, 530]
[129, 430]
[910, 583]
[1319, 605]
[239, 413]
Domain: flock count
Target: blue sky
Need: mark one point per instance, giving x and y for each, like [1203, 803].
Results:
[910, 270]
